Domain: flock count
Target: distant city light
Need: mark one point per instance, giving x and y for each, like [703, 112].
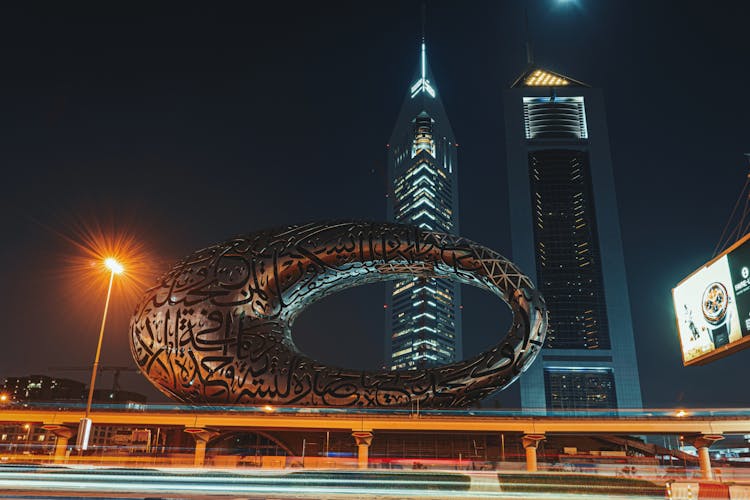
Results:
[681, 413]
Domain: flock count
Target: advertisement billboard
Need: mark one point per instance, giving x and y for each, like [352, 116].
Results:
[712, 306]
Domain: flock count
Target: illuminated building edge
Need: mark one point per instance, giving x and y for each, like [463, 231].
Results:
[217, 327]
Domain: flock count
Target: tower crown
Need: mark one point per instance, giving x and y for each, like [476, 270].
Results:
[421, 97]
[535, 76]
[422, 85]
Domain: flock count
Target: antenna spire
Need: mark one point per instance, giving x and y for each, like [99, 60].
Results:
[424, 63]
[422, 85]
[424, 55]
[529, 46]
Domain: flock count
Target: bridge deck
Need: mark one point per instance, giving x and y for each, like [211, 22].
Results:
[311, 419]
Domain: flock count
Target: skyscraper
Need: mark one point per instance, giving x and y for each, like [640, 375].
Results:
[566, 236]
[423, 316]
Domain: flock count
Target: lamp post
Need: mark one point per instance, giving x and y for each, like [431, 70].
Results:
[84, 427]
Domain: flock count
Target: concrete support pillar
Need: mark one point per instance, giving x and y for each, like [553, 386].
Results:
[530, 444]
[63, 435]
[702, 443]
[200, 453]
[363, 440]
[704, 459]
[202, 437]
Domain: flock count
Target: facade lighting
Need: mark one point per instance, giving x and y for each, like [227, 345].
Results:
[541, 78]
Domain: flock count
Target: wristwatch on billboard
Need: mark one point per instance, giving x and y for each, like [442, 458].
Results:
[716, 312]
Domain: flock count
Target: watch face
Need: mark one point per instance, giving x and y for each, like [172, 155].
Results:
[715, 303]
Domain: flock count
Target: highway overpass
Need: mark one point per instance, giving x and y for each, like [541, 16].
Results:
[701, 427]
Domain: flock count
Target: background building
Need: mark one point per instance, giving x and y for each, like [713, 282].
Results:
[42, 388]
[566, 237]
[122, 439]
[28, 438]
[33, 439]
[423, 315]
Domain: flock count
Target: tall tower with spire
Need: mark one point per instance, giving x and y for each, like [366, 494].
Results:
[423, 315]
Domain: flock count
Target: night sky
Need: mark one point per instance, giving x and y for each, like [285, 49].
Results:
[184, 126]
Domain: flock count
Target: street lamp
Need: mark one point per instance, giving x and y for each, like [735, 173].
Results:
[84, 427]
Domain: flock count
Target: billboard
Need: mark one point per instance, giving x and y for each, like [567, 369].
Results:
[712, 306]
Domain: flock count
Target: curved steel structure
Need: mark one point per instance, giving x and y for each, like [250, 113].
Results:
[217, 327]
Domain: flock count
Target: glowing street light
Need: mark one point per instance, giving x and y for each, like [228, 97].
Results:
[84, 427]
[113, 265]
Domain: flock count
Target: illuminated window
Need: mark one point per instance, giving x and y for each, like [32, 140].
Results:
[567, 248]
[579, 388]
[423, 135]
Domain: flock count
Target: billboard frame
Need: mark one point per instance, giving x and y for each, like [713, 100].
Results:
[718, 352]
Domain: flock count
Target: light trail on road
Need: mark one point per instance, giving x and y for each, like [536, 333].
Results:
[304, 484]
